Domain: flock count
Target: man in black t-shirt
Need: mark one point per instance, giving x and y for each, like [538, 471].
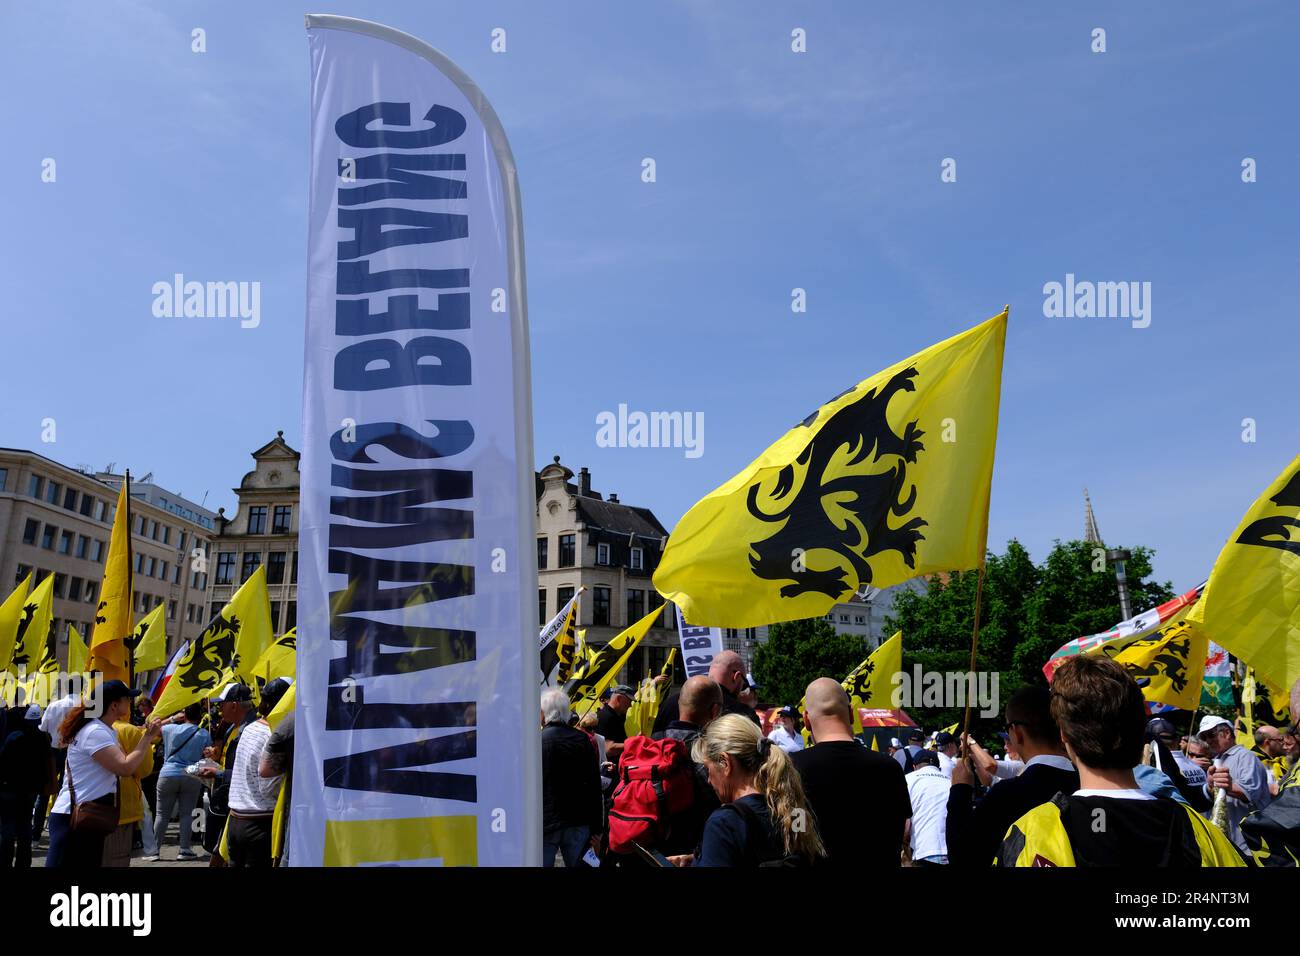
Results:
[611, 721]
[858, 796]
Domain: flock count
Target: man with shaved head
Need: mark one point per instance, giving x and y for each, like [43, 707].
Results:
[699, 704]
[857, 796]
[728, 671]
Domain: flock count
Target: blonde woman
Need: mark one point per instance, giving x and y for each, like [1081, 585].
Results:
[764, 817]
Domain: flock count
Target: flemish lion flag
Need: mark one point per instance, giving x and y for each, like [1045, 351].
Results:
[871, 684]
[77, 651]
[1169, 665]
[558, 644]
[1251, 604]
[226, 650]
[278, 660]
[11, 612]
[108, 651]
[148, 642]
[886, 481]
[34, 624]
[585, 689]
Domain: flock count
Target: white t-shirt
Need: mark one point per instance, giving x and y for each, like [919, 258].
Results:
[790, 743]
[1116, 794]
[946, 764]
[249, 791]
[928, 789]
[91, 780]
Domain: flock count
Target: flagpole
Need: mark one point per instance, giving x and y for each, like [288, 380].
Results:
[130, 584]
[974, 647]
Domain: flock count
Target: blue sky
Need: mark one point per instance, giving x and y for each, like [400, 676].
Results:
[775, 170]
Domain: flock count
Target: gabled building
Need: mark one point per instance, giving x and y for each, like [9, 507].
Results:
[585, 539]
[263, 531]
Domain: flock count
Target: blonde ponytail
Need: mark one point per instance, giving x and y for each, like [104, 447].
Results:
[774, 777]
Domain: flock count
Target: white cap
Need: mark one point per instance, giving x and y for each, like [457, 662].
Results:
[34, 712]
[895, 742]
[1209, 722]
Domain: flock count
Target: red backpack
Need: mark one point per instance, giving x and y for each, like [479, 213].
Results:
[655, 781]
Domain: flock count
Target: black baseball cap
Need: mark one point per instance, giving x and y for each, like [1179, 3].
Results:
[943, 739]
[1161, 727]
[914, 734]
[926, 757]
[112, 691]
[235, 693]
[273, 691]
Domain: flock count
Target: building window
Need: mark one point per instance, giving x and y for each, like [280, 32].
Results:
[52, 492]
[4, 478]
[291, 616]
[153, 530]
[275, 617]
[176, 573]
[844, 619]
[65, 542]
[100, 507]
[87, 505]
[70, 499]
[275, 567]
[635, 605]
[162, 574]
[47, 539]
[167, 534]
[658, 602]
[74, 589]
[600, 606]
[859, 619]
[567, 551]
[83, 546]
[34, 484]
[541, 607]
[171, 610]
[257, 520]
[180, 542]
[22, 572]
[252, 561]
[92, 589]
[562, 597]
[225, 567]
[280, 520]
[542, 545]
[602, 553]
[97, 551]
[59, 580]
[638, 559]
[216, 609]
[31, 530]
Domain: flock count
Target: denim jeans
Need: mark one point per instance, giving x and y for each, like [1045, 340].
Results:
[178, 791]
[570, 842]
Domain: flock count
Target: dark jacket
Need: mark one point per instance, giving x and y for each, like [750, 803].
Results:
[571, 795]
[669, 712]
[24, 753]
[975, 833]
[687, 828]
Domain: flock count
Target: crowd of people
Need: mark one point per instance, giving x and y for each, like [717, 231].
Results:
[1083, 777]
[107, 778]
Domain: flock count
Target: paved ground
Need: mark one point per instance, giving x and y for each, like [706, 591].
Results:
[171, 845]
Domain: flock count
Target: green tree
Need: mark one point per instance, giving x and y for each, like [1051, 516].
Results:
[1027, 612]
[798, 652]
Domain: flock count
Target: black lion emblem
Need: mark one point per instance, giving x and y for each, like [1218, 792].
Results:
[19, 654]
[861, 687]
[863, 429]
[210, 655]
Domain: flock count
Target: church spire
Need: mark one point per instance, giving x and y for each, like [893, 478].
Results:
[1090, 533]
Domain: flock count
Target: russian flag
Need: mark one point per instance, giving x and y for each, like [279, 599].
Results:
[161, 683]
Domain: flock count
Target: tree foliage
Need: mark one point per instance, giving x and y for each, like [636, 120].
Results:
[798, 652]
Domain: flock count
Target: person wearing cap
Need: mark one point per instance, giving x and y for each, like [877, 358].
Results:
[945, 745]
[184, 742]
[1186, 778]
[1237, 771]
[726, 670]
[610, 720]
[914, 741]
[927, 829]
[786, 732]
[236, 704]
[25, 774]
[252, 795]
[95, 762]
